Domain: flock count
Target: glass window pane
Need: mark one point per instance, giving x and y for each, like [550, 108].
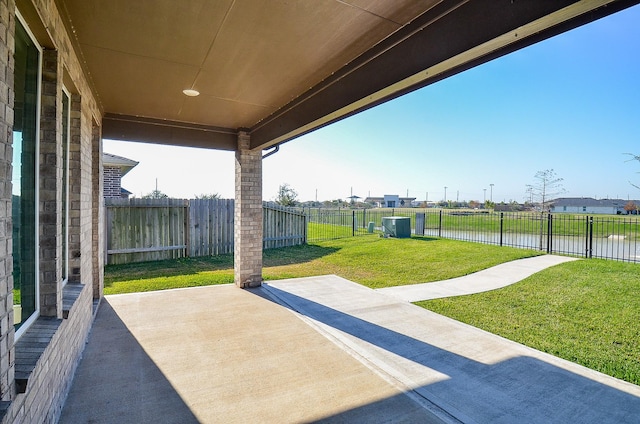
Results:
[66, 104]
[24, 207]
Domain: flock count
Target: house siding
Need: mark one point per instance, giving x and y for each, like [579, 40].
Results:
[112, 182]
[33, 387]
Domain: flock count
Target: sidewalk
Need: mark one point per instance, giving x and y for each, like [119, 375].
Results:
[489, 279]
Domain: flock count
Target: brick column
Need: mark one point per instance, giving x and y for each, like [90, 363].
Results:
[50, 188]
[75, 186]
[97, 212]
[248, 215]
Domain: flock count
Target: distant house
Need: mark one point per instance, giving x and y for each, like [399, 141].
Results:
[590, 205]
[115, 167]
[391, 201]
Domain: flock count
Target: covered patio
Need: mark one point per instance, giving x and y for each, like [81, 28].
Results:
[249, 75]
[237, 75]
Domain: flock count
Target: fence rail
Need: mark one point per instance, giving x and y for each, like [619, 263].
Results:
[153, 229]
[146, 229]
[605, 237]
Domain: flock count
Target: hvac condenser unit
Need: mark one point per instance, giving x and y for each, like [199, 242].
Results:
[396, 226]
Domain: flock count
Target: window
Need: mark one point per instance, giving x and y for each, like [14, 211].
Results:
[26, 130]
[66, 121]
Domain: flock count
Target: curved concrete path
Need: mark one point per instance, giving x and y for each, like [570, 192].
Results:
[489, 279]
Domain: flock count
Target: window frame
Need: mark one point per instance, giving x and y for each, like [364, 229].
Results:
[66, 206]
[36, 313]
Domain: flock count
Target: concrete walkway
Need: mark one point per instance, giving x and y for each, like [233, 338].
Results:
[320, 349]
[489, 279]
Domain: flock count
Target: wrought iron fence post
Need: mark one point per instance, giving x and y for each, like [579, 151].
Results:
[549, 233]
[353, 223]
[590, 245]
[501, 226]
[440, 225]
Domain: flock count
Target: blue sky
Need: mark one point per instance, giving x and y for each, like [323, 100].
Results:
[571, 103]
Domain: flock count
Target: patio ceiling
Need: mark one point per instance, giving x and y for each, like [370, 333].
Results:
[281, 68]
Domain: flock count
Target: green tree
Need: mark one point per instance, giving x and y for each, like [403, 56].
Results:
[208, 196]
[155, 194]
[547, 186]
[287, 196]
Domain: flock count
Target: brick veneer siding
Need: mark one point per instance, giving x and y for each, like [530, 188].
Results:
[7, 29]
[50, 195]
[95, 263]
[50, 377]
[112, 181]
[248, 215]
[35, 375]
[75, 191]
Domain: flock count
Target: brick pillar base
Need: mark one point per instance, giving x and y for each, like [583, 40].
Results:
[248, 215]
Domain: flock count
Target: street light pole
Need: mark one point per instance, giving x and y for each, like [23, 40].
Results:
[445, 194]
[491, 192]
[485, 196]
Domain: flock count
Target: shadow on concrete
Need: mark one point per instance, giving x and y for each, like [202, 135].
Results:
[117, 382]
[519, 389]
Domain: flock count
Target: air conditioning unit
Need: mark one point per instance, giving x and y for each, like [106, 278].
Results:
[396, 226]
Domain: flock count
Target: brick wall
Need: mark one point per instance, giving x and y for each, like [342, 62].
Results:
[7, 29]
[94, 225]
[112, 181]
[48, 379]
[33, 386]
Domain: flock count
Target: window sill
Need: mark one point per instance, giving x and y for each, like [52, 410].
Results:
[32, 344]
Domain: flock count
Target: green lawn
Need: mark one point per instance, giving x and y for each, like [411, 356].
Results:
[586, 311]
[369, 260]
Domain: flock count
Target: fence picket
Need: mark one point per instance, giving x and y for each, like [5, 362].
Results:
[154, 229]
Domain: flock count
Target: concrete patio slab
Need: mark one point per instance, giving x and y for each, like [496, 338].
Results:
[221, 354]
[472, 375]
[488, 279]
[320, 349]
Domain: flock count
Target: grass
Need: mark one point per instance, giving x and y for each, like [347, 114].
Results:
[584, 311]
[383, 262]
[369, 260]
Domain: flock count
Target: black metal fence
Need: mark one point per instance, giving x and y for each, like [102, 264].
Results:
[604, 236]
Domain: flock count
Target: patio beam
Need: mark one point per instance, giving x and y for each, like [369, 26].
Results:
[162, 131]
[452, 37]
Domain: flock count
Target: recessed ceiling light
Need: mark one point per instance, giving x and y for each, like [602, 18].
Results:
[191, 92]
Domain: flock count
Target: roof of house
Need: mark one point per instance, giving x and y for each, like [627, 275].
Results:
[123, 163]
[591, 202]
[381, 199]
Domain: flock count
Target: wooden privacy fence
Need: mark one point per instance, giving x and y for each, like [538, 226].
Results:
[154, 229]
